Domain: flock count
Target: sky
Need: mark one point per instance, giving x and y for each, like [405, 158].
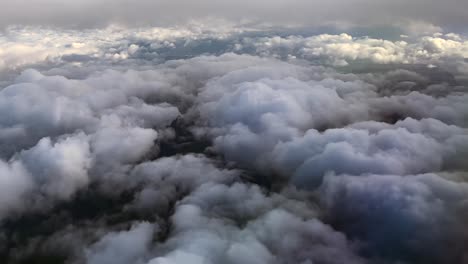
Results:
[99, 13]
[258, 132]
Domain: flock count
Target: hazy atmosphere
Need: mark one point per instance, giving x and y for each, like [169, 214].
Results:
[238, 132]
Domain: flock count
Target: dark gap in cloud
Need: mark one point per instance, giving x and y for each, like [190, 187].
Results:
[184, 142]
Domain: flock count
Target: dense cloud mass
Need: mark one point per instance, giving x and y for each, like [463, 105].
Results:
[232, 143]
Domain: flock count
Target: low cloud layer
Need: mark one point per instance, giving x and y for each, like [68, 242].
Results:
[232, 144]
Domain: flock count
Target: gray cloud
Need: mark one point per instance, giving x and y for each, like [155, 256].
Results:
[122, 247]
[400, 217]
[102, 12]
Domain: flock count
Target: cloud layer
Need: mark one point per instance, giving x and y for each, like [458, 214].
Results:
[89, 13]
[232, 144]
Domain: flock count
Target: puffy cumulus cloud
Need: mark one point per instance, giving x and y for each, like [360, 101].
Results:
[259, 114]
[23, 46]
[48, 171]
[209, 216]
[122, 247]
[166, 180]
[343, 49]
[60, 168]
[399, 218]
[408, 147]
[115, 46]
[190, 170]
[59, 134]
[68, 133]
[449, 109]
[39, 46]
[15, 184]
[55, 171]
[77, 54]
[236, 144]
[152, 190]
[40, 106]
[133, 144]
[266, 121]
[240, 223]
[334, 49]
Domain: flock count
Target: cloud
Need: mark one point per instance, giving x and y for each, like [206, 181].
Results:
[343, 49]
[267, 122]
[15, 184]
[61, 168]
[122, 247]
[400, 217]
[388, 150]
[240, 224]
[231, 143]
[97, 13]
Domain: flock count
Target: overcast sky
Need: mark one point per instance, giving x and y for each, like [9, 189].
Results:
[98, 13]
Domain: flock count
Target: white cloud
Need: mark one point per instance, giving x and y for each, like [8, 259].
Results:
[122, 247]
